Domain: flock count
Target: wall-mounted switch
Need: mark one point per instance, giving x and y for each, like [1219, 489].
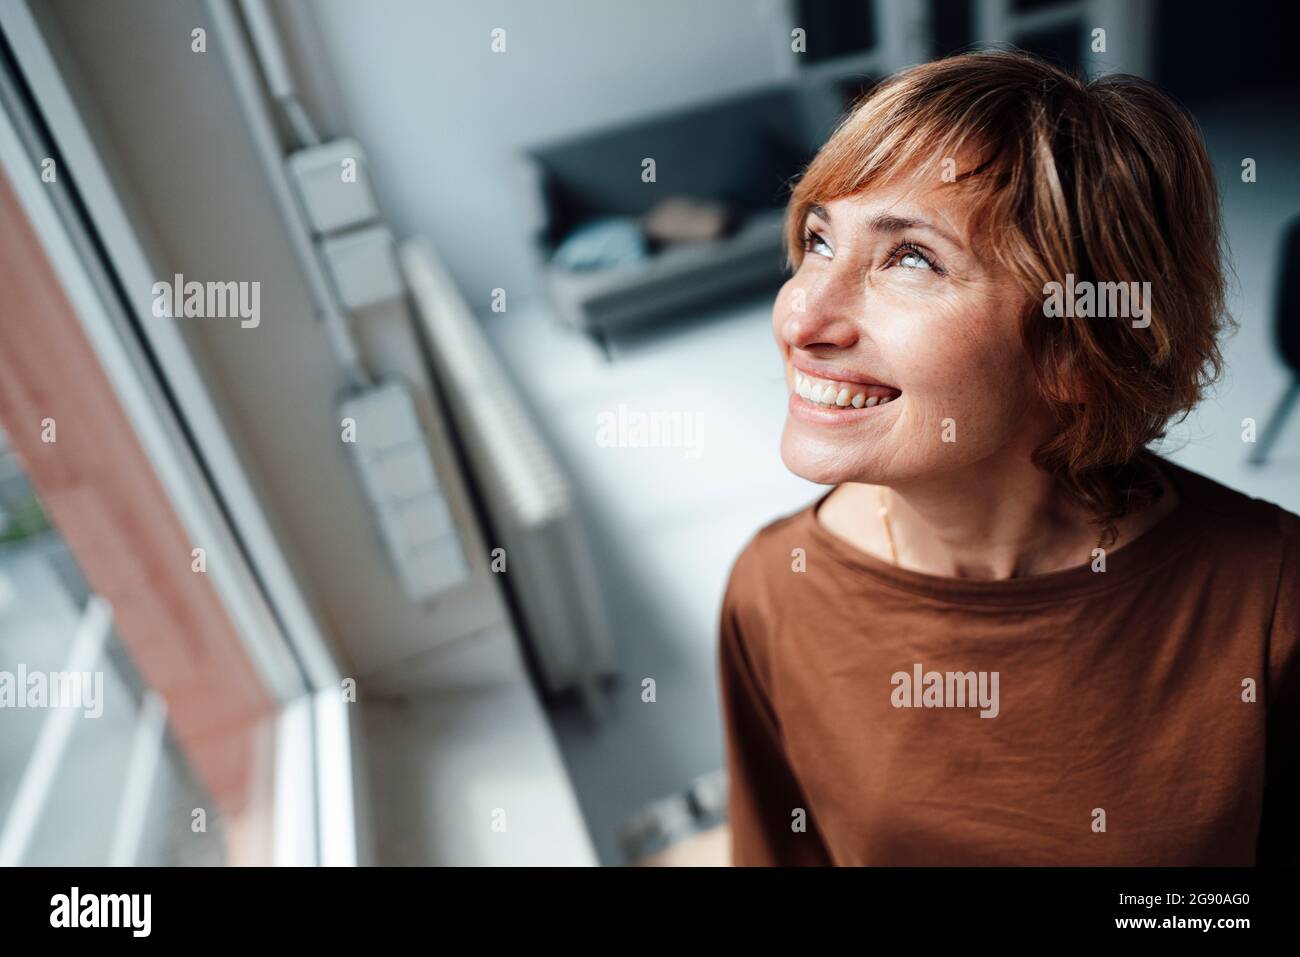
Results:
[363, 266]
[393, 457]
[333, 186]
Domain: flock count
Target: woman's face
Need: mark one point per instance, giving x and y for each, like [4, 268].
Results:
[901, 343]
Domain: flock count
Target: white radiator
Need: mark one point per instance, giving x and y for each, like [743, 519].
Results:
[549, 568]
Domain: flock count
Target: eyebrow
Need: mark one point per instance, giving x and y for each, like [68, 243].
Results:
[887, 223]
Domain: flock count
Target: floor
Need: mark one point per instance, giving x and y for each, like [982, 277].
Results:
[478, 749]
[667, 522]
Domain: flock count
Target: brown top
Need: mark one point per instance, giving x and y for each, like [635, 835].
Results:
[1144, 715]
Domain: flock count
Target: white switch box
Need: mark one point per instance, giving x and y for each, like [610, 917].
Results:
[404, 474]
[427, 519]
[396, 467]
[363, 266]
[333, 186]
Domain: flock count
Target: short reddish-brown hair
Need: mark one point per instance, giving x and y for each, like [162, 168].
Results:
[1107, 180]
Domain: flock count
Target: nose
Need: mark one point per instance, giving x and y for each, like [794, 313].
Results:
[819, 317]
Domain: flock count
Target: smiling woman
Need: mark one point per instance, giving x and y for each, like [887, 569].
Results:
[994, 508]
[975, 184]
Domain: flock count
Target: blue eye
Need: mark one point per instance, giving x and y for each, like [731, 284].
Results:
[910, 256]
[811, 242]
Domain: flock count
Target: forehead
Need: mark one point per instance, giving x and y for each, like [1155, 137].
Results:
[947, 174]
[899, 205]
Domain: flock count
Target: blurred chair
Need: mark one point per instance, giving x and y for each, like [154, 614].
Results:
[1287, 332]
[740, 152]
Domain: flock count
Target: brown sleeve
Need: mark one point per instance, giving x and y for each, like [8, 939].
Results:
[762, 791]
[1279, 836]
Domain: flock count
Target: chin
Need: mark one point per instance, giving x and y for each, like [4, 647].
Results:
[821, 461]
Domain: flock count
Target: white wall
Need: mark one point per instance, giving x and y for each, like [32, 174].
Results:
[441, 115]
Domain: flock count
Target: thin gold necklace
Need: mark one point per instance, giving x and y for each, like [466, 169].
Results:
[883, 510]
[884, 520]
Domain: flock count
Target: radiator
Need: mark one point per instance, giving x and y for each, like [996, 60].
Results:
[549, 570]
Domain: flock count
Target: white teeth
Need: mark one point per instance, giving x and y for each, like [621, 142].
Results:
[834, 394]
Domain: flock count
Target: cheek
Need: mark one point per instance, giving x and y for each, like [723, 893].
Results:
[964, 363]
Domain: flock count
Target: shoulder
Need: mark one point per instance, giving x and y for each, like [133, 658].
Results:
[756, 597]
[1256, 543]
[1226, 511]
[768, 553]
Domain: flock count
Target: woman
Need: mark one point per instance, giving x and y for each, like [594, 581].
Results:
[1008, 634]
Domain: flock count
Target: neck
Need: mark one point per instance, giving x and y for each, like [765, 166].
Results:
[992, 520]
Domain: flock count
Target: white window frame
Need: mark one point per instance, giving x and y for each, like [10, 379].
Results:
[314, 817]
